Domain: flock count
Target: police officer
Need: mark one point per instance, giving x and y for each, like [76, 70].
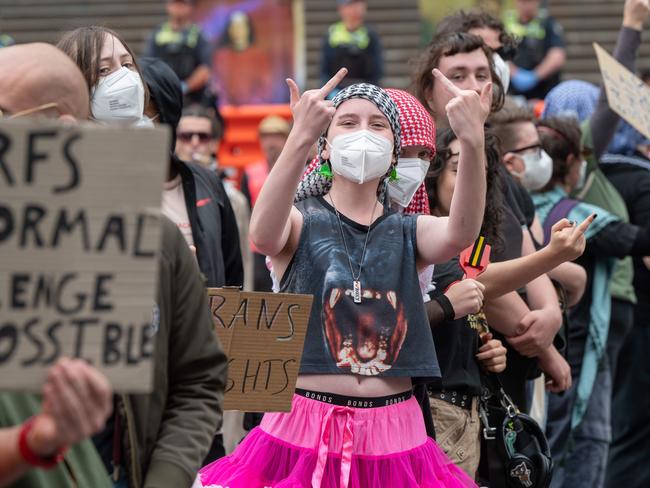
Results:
[180, 44]
[352, 44]
[540, 54]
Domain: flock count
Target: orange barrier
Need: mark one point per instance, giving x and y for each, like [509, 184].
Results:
[240, 145]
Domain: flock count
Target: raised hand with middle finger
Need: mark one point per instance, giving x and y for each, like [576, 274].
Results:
[568, 239]
[312, 112]
[468, 110]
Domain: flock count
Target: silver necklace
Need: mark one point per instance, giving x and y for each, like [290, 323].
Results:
[356, 283]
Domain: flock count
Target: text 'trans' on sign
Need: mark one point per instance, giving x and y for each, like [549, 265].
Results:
[79, 241]
[263, 335]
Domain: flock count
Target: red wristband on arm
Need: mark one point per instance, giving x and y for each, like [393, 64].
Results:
[30, 456]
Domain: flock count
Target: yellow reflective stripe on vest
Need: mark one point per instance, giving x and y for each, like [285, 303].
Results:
[340, 36]
[167, 35]
[534, 29]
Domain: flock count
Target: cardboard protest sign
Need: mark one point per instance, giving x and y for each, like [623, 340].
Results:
[263, 336]
[627, 95]
[79, 241]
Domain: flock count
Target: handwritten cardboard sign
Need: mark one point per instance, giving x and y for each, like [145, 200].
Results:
[627, 95]
[79, 240]
[263, 336]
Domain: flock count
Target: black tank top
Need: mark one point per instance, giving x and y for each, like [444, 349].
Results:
[388, 332]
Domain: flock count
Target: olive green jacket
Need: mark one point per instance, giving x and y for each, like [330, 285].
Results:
[170, 430]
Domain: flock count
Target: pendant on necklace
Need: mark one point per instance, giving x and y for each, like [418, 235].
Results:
[356, 291]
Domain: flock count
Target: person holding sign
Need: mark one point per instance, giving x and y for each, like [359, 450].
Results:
[76, 402]
[42, 432]
[160, 439]
[368, 334]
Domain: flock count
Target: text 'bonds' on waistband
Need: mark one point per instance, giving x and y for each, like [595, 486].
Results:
[354, 402]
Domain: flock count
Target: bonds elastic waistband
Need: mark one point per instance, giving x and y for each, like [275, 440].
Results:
[354, 402]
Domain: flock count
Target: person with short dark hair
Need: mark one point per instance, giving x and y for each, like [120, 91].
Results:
[180, 44]
[468, 62]
[352, 44]
[198, 137]
[199, 134]
[541, 52]
[491, 30]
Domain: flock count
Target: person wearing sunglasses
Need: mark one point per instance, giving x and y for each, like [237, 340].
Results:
[198, 136]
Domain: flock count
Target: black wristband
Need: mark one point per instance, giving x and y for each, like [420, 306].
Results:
[446, 306]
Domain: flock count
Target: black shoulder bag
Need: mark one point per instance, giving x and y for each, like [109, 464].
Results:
[514, 449]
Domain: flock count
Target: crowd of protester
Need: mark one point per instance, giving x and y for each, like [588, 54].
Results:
[477, 249]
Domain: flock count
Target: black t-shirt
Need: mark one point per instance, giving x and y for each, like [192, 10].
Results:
[456, 342]
[519, 368]
[520, 196]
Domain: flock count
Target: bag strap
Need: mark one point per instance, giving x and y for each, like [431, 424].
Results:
[559, 211]
[493, 391]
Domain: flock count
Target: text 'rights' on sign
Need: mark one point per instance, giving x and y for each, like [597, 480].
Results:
[263, 335]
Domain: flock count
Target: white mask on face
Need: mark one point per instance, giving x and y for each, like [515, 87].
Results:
[582, 179]
[410, 175]
[502, 71]
[360, 156]
[538, 172]
[118, 98]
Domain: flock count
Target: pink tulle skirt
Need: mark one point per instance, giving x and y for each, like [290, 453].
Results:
[322, 445]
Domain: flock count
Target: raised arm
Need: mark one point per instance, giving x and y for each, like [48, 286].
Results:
[604, 120]
[440, 239]
[274, 218]
[545, 317]
[567, 243]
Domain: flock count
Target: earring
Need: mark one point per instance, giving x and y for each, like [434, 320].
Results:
[325, 170]
[393, 174]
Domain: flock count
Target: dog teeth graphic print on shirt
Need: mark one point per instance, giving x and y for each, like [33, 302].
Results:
[388, 332]
[364, 338]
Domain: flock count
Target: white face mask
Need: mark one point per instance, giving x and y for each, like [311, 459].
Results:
[118, 98]
[361, 156]
[410, 175]
[582, 179]
[538, 172]
[502, 71]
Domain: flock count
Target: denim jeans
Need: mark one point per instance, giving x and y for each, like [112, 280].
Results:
[628, 458]
[581, 457]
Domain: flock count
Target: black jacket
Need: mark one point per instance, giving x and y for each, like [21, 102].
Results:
[214, 228]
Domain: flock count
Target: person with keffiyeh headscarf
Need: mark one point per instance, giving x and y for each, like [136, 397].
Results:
[367, 334]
